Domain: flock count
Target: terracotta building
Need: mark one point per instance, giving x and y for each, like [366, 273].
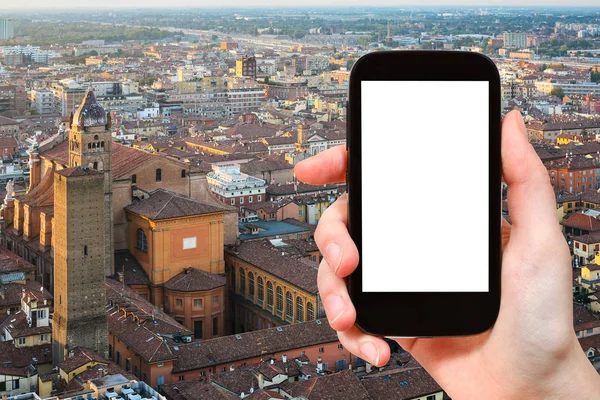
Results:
[178, 241]
[574, 174]
[271, 286]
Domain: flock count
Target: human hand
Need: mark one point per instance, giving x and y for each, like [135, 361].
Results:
[532, 350]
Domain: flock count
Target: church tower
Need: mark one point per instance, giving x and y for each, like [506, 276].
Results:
[90, 140]
[83, 242]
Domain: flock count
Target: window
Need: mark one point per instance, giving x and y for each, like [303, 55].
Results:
[299, 309]
[589, 330]
[158, 175]
[181, 378]
[321, 349]
[233, 202]
[202, 373]
[85, 250]
[22, 340]
[128, 365]
[197, 303]
[249, 199]
[259, 198]
[250, 284]
[279, 299]
[261, 289]
[119, 359]
[215, 300]
[340, 346]
[142, 243]
[178, 302]
[161, 380]
[15, 384]
[432, 397]
[43, 337]
[183, 174]
[215, 326]
[242, 281]
[310, 311]
[198, 329]
[302, 353]
[269, 294]
[289, 305]
[95, 164]
[241, 200]
[134, 178]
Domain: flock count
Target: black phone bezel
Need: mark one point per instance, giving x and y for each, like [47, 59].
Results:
[419, 314]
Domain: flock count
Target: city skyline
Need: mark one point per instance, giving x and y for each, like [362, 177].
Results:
[147, 4]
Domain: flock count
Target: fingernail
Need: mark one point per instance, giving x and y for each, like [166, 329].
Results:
[334, 305]
[370, 352]
[522, 125]
[333, 255]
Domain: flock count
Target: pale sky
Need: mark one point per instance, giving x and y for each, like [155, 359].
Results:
[33, 4]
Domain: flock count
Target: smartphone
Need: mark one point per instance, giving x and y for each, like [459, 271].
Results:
[424, 191]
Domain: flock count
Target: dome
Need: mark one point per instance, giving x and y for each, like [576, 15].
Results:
[90, 113]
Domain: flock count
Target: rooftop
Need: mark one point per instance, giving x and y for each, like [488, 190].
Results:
[195, 280]
[294, 269]
[164, 204]
[268, 229]
[229, 349]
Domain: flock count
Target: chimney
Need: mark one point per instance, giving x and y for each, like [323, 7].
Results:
[319, 364]
[284, 358]
[120, 274]
[232, 368]
[272, 361]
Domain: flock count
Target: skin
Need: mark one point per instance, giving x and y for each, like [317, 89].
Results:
[531, 351]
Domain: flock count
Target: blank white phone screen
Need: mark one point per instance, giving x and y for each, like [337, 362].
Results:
[425, 183]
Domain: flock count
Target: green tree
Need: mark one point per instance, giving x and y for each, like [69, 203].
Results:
[558, 92]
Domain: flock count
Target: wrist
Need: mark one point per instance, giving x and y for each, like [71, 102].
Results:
[574, 377]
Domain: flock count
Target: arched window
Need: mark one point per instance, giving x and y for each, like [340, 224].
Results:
[310, 312]
[250, 284]
[269, 294]
[102, 144]
[242, 281]
[158, 174]
[261, 289]
[299, 309]
[289, 305]
[142, 242]
[279, 299]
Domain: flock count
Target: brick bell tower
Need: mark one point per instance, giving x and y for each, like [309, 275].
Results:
[83, 234]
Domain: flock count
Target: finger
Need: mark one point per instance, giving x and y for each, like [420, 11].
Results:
[336, 301]
[370, 348]
[333, 238]
[530, 196]
[326, 167]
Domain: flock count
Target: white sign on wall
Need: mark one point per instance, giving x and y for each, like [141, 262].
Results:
[189, 243]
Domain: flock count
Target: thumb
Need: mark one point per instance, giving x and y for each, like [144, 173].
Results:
[531, 200]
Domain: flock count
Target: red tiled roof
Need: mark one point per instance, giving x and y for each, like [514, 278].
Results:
[583, 222]
[8, 142]
[195, 280]
[124, 158]
[164, 204]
